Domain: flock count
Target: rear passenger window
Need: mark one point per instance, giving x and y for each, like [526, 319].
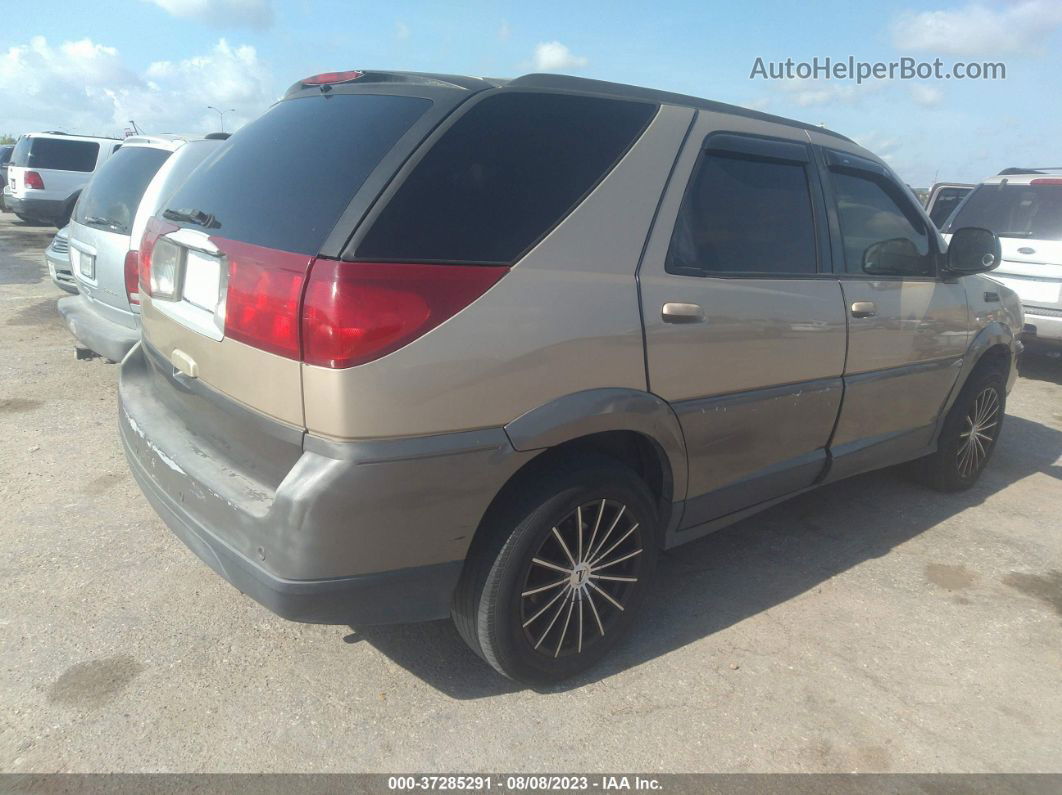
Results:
[882, 233]
[743, 214]
[502, 176]
[63, 155]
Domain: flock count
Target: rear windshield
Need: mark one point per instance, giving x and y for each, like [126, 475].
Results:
[502, 176]
[56, 153]
[283, 180]
[111, 198]
[5, 154]
[1033, 211]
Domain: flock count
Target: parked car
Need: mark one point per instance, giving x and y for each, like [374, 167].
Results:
[943, 198]
[5, 157]
[57, 258]
[498, 343]
[1024, 208]
[48, 171]
[105, 230]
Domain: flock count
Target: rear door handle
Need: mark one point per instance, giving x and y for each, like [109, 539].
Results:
[864, 309]
[674, 312]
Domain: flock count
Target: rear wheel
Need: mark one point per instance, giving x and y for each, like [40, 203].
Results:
[969, 435]
[559, 584]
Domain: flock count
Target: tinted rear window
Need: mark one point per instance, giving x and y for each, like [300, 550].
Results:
[502, 176]
[283, 180]
[1033, 211]
[5, 154]
[111, 198]
[56, 153]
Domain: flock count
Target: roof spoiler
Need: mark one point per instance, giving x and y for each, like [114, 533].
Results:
[1007, 172]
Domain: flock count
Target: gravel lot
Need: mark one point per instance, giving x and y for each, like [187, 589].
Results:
[869, 626]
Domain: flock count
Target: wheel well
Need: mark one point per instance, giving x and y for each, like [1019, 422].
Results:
[996, 356]
[635, 450]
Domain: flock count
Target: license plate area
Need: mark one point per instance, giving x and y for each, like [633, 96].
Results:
[86, 265]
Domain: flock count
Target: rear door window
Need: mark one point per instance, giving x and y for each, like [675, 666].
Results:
[944, 204]
[283, 181]
[1022, 211]
[112, 197]
[502, 176]
[743, 214]
[57, 154]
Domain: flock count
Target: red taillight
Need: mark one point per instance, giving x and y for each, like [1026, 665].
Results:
[1046, 181]
[33, 180]
[354, 312]
[132, 271]
[262, 304]
[326, 78]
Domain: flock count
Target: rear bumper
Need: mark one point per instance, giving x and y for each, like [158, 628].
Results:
[43, 209]
[96, 331]
[317, 531]
[1046, 328]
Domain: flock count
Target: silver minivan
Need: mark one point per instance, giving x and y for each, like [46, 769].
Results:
[498, 343]
[107, 222]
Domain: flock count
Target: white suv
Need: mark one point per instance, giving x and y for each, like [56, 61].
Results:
[1024, 208]
[48, 171]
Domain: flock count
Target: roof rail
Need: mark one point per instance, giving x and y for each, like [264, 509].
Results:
[1038, 170]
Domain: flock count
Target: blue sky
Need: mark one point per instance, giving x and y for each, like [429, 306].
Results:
[68, 65]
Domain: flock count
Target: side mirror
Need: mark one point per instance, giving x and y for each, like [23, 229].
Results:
[973, 250]
[895, 256]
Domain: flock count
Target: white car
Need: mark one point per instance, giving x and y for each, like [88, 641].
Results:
[1024, 208]
[48, 171]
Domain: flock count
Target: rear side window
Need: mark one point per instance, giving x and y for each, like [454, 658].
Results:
[945, 203]
[882, 233]
[57, 154]
[502, 176]
[1030, 211]
[283, 181]
[111, 198]
[744, 214]
[5, 154]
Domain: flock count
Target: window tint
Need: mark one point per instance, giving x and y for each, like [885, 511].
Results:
[744, 215]
[881, 231]
[283, 180]
[111, 198]
[1032, 211]
[57, 153]
[502, 176]
[946, 202]
[5, 154]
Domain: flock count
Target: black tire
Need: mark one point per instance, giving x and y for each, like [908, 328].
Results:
[959, 461]
[575, 621]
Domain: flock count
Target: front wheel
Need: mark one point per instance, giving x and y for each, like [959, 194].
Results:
[569, 565]
[969, 435]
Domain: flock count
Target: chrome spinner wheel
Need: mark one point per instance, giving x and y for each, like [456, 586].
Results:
[979, 432]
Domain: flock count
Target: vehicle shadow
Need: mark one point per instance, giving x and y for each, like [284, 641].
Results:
[747, 568]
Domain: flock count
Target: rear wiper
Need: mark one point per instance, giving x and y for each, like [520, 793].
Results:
[95, 220]
[197, 217]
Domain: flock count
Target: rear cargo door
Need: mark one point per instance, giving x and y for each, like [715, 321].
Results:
[226, 259]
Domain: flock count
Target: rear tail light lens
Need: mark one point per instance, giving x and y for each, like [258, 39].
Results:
[354, 312]
[33, 180]
[132, 277]
[165, 267]
[262, 303]
[154, 230]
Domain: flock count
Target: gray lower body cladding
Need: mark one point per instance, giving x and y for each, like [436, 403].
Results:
[95, 330]
[328, 532]
[41, 209]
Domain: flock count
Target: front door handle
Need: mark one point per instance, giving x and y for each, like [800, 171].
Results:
[674, 312]
[864, 309]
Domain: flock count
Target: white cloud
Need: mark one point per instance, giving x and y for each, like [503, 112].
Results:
[925, 95]
[978, 28]
[401, 30]
[85, 87]
[811, 93]
[552, 56]
[256, 14]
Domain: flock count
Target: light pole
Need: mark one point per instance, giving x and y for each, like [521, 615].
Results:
[221, 114]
